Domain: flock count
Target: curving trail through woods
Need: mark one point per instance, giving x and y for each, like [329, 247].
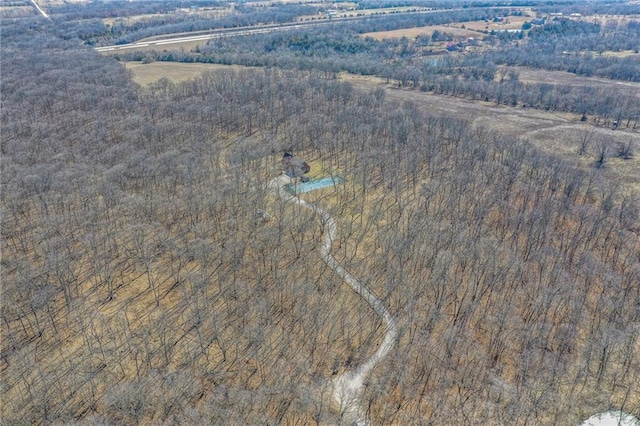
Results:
[348, 387]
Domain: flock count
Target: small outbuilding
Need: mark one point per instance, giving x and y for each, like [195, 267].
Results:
[294, 166]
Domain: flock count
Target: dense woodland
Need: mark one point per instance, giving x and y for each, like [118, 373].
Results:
[139, 286]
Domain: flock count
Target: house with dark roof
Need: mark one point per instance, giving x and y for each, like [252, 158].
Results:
[294, 166]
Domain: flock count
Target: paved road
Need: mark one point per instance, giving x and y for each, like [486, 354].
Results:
[264, 29]
[42, 12]
[348, 387]
[202, 37]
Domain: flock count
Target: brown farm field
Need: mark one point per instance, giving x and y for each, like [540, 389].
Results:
[459, 30]
[509, 23]
[421, 31]
[176, 72]
[305, 2]
[349, 10]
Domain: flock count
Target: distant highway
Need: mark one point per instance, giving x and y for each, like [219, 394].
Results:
[230, 32]
[263, 29]
[42, 12]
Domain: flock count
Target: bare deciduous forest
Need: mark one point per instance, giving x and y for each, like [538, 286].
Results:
[140, 286]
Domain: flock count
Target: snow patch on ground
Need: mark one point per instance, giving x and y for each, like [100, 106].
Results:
[612, 418]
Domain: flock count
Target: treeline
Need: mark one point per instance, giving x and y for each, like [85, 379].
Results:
[399, 21]
[473, 75]
[571, 46]
[140, 286]
[554, 57]
[618, 7]
[96, 32]
[601, 106]
[123, 9]
[448, 4]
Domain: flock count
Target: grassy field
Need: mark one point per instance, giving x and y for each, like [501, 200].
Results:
[610, 19]
[176, 72]
[128, 20]
[305, 2]
[348, 10]
[622, 54]
[530, 75]
[459, 30]
[422, 31]
[509, 23]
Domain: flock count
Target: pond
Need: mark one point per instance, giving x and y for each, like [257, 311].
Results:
[301, 188]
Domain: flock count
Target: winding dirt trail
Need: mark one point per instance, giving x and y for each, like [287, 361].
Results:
[348, 387]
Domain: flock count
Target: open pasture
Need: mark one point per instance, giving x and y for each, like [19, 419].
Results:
[508, 23]
[530, 75]
[176, 72]
[422, 31]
